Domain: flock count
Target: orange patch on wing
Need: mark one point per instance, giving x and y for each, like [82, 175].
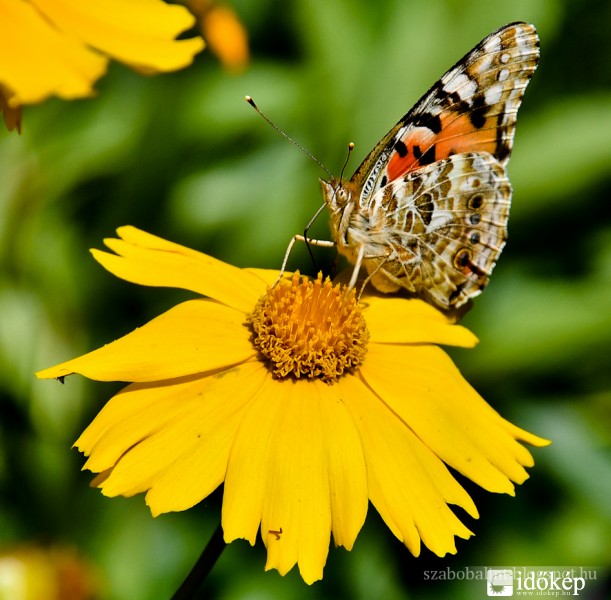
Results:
[457, 135]
[399, 165]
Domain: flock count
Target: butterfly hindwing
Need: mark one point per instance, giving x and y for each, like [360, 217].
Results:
[443, 227]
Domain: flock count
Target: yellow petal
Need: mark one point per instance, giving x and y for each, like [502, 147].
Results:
[228, 396]
[193, 337]
[402, 321]
[138, 32]
[146, 259]
[38, 61]
[245, 481]
[346, 463]
[424, 388]
[298, 488]
[527, 437]
[409, 486]
[172, 438]
[305, 470]
[281, 442]
[269, 276]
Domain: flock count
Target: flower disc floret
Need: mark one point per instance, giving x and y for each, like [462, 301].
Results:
[310, 329]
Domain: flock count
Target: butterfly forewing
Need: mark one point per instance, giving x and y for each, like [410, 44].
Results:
[427, 209]
[473, 107]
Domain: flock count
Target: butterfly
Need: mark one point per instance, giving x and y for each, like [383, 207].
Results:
[427, 209]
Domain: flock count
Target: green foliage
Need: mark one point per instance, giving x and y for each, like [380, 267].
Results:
[183, 156]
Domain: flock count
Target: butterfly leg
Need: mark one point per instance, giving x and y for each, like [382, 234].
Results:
[357, 267]
[372, 274]
[301, 238]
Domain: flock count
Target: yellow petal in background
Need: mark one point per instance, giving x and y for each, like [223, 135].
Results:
[227, 38]
[193, 337]
[39, 61]
[140, 33]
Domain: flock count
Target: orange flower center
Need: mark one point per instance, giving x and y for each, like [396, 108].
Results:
[311, 329]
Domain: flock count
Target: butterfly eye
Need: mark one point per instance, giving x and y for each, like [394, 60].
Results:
[475, 218]
[474, 237]
[342, 195]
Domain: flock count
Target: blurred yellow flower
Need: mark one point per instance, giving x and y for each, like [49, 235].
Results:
[225, 35]
[53, 572]
[303, 402]
[61, 47]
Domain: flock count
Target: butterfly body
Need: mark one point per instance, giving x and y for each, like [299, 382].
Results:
[427, 209]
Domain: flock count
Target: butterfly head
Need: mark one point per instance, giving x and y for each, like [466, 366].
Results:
[340, 198]
[337, 194]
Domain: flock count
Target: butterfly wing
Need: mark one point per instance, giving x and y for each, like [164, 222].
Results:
[472, 108]
[441, 229]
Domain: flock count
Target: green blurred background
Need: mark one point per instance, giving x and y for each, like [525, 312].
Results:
[184, 157]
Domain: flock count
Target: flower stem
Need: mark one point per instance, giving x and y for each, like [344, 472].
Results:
[202, 567]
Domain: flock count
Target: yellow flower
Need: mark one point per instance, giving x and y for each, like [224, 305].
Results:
[47, 572]
[224, 33]
[305, 404]
[60, 47]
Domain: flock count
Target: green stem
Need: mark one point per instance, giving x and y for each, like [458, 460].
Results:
[203, 566]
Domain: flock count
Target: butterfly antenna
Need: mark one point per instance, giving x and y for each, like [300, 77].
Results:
[350, 149]
[288, 137]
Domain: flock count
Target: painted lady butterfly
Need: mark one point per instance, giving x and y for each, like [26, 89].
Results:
[427, 209]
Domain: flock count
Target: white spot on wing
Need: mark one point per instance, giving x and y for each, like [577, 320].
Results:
[440, 219]
[485, 62]
[452, 80]
[460, 84]
[493, 45]
[493, 94]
